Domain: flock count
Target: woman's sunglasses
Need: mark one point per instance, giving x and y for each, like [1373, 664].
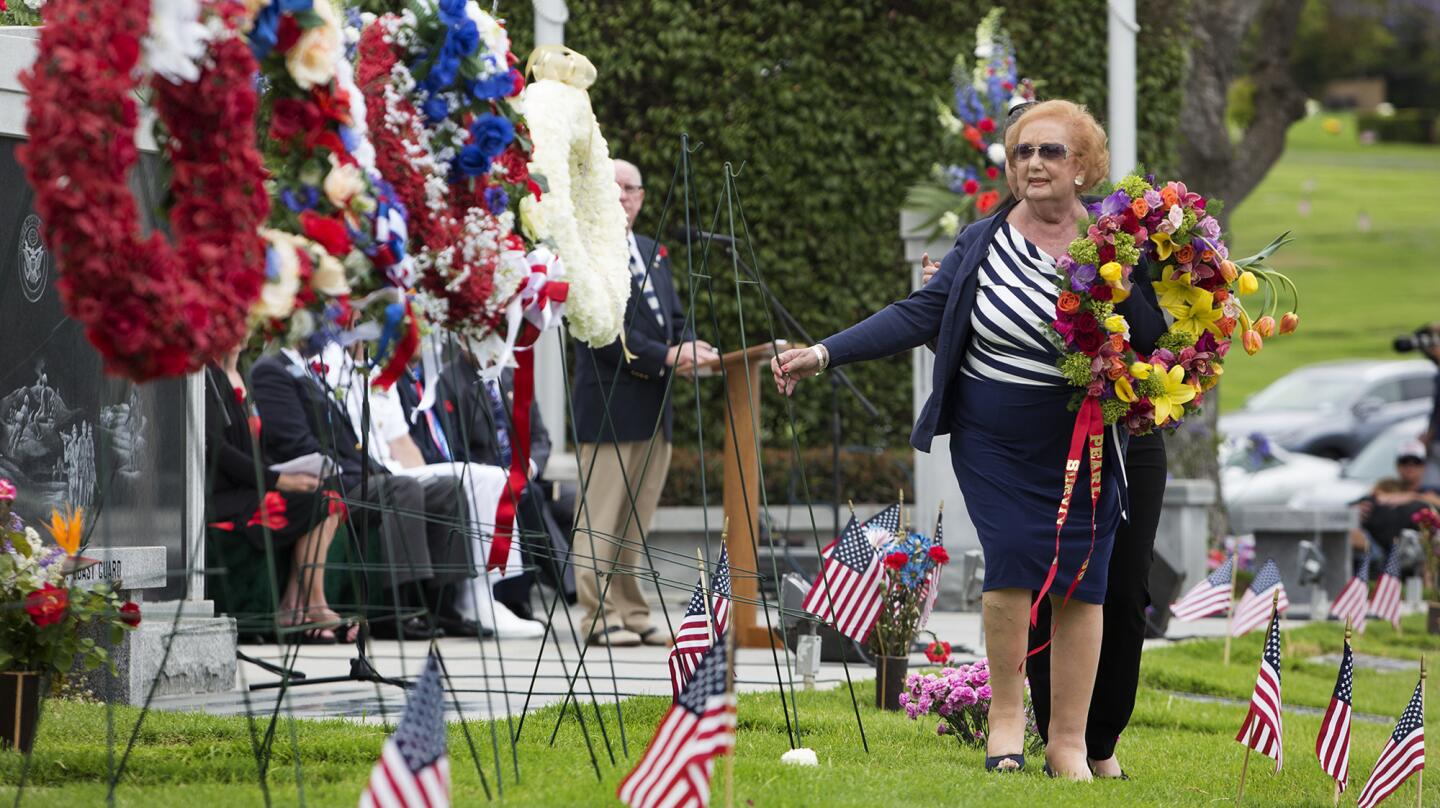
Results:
[1049, 152]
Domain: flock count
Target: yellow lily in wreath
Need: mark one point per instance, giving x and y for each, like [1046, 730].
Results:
[67, 529]
[1171, 403]
[1172, 292]
[1197, 313]
[1163, 245]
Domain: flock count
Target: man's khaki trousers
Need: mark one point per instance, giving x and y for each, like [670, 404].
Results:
[605, 514]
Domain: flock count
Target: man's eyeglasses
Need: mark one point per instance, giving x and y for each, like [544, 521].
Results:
[631, 189]
[1049, 152]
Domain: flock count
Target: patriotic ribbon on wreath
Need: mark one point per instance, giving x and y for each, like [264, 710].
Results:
[1087, 438]
[540, 304]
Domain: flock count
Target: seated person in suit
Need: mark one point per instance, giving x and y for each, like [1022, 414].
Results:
[481, 485]
[289, 511]
[420, 520]
[476, 415]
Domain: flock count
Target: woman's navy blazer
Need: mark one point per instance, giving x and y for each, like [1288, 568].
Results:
[939, 313]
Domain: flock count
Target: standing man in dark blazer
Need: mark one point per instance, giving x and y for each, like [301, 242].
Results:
[623, 417]
[419, 521]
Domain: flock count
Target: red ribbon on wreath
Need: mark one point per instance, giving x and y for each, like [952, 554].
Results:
[519, 458]
[151, 308]
[1087, 438]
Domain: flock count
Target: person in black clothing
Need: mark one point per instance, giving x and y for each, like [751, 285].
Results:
[289, 511]
[1388, 509]
[420, 520]
[475, 414]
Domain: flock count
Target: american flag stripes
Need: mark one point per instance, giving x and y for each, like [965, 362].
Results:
[698, 727]
[1386, 602]
[932, 587]
[1332, 747]
[1403, 755]
[413, 769]
[693, 636]
[847, 592]
[1262, 728]
[1210, 596]
[1354, 600]
[1254, 606]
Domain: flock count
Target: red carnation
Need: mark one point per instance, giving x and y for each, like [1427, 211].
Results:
[327, 232]
[986, 125]
[897, 560]
[939, 555]
[971, 187]
[992, 172]
[47, 604]
[130, 614]
[271, 513]
[292, 117]
[664, 253]
[938, 652]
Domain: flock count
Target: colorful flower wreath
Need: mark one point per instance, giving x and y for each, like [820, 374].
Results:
[448, 142]
[152, 308]
[1199, 285]
[338, 237]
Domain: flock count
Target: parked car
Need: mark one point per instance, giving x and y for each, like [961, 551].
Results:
[1335, 409]
[1254, 471]
[1358, 476]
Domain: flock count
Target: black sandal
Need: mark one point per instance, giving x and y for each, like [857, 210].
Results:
[992, 764]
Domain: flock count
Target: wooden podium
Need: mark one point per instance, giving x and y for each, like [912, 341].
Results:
[746, 374]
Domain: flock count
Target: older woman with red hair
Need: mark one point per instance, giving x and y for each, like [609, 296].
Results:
[1005, 405]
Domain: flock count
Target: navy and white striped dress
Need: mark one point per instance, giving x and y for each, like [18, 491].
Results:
[1011, 432]
[1015, 304]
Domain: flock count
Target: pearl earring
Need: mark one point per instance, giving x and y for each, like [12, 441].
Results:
[1079, 181]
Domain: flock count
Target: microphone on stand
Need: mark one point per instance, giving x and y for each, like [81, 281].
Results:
[705, 235]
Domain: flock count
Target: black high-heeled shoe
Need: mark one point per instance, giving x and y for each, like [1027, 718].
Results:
[992, 764]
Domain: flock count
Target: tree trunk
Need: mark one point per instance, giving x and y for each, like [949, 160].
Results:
[1215, 166]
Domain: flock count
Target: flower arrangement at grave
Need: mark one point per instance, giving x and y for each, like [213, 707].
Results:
[1198, 284]
[960, 696]
[40, 628]
[442, 95]
[152, 306]
[911, 561]
[337, 241]
[1427, 521]
[970, 182]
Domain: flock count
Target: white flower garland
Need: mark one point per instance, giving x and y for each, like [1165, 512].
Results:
[580, 214]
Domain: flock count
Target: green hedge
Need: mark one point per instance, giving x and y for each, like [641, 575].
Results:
[830, 110]
[866, 476]
[1405, 126]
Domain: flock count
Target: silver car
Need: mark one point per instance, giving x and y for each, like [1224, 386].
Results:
[1334, 409]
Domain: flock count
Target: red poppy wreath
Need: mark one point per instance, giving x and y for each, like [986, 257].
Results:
[151, 307]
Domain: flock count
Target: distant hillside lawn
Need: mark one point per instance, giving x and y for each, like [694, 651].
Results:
[1360, 289]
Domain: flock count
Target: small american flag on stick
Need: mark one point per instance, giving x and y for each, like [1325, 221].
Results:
[847, 592]
[932, 586]
[698, 727]
[1210, 596]
[1262, 728]
[693, 635]
[1386, 603]
[1404, 753]
[414, 769]
[1332, 747]
[1253, 608]
[1354, 600]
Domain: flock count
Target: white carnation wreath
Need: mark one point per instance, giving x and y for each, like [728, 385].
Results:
[580, 213]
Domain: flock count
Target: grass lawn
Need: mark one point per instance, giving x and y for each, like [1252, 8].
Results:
[1179, 752]
[1359, 289]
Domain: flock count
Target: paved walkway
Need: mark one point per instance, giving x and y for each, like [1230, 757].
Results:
[493, 679]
